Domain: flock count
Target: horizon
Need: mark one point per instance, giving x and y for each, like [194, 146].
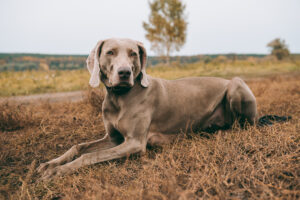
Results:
[208, 54]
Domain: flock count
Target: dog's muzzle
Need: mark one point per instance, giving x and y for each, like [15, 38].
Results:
[124, 73]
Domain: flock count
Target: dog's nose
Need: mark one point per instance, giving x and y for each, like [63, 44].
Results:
[124, 72]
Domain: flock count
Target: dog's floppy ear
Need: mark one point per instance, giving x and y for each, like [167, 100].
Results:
[93, 64]
[143, 60]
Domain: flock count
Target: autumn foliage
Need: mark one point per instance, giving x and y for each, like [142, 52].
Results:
[167, 26]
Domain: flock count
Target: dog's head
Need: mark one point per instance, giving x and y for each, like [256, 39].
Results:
[119, 63]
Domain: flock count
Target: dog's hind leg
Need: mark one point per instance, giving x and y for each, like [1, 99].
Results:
[241, 101]
[159, 139]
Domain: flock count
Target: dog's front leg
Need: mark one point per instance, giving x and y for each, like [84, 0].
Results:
[77, 150]
[135, 141]
[128, 147]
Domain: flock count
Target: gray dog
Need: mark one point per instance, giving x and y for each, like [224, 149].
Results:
[139, 109]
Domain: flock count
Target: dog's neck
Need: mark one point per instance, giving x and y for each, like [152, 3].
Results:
[115, 95]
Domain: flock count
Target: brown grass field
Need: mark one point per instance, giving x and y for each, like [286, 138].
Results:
[256, 163]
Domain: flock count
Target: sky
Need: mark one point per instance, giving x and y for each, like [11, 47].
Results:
[214, 26]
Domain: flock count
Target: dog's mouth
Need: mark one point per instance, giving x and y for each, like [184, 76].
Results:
[123, 84]
[121, 88]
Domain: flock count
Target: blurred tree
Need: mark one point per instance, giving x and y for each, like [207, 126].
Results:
[167, 25]
[279, 49]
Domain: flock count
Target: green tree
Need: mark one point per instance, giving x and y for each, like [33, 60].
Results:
[167, 26]
[279, 49]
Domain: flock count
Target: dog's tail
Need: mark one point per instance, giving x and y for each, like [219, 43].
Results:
[269, 120]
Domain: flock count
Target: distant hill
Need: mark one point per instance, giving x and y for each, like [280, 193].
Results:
[24, 61]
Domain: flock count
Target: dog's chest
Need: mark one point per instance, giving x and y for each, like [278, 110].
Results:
[115, 116]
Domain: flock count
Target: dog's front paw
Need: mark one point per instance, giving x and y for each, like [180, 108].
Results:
[43, 167]
[51, 173]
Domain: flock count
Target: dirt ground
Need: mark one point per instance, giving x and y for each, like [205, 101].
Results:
[256, 163]
[48, 97]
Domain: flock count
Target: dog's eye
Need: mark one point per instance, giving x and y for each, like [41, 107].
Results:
[110, 53]
[133, 54]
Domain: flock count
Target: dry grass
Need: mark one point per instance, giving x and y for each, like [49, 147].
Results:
[224, 69]
[36, 82]
[257, 163]
[14, 117]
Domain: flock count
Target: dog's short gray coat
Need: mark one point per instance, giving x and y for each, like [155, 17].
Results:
[144, 110]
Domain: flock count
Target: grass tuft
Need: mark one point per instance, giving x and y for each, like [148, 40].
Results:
[14, 117]
[95, 98]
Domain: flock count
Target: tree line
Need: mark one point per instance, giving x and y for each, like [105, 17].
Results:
[21, 62]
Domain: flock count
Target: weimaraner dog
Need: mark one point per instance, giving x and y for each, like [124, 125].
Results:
[139, 109]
